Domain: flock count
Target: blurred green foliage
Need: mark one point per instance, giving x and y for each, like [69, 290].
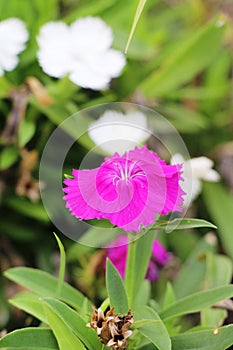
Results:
[179, 63]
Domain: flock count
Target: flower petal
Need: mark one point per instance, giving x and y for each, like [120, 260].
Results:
[111, 62]
[75, 202]
[128, 190]
[112, 126]
[54, 49]
[83, 74]
[160, 253]
[90, 34]
[13, 35]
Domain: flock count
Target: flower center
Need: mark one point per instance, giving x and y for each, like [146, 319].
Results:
[126, 171]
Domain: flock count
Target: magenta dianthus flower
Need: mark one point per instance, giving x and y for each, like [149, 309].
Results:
[117, 253]
[129, 190]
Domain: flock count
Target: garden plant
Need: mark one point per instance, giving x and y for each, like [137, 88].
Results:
[116, 175]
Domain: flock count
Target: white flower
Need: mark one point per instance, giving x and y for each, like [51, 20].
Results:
[117, 132]
[81, 50]
[13, 35]
[195, 170]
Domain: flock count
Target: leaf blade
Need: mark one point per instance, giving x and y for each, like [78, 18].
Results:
[197, 301]
[29, 339]
[116, 289]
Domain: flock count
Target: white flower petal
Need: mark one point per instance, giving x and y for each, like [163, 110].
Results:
[95, 71]
[54, 49]
[177, 159]
[211, 175]
[82, 51]
[110, 62]
[130, 129]
[8, 61]
[13, 35]
[195, 170]
[90, 34]
[85, 77]
[200, 165]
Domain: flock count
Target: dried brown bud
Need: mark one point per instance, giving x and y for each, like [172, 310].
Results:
[112, 329]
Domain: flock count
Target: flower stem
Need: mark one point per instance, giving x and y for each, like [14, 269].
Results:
[138, 258]
[129, 273]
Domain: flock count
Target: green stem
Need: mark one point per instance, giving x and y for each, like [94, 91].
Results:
[138, 258]
[129, 273]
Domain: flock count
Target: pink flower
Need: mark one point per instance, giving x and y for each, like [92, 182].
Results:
[128, 190]
[117, 253]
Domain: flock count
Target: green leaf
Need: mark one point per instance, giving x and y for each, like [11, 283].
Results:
[183, 224]
[26, 131]
[138, 13]
[30, 303]
[197, 301]
[169, 297]
[29, 277]
[220, 206]
[144, 293]
[193, 270]
[65, 337]
[92, 8]
[98, 236]
[62, 266]
[220, 338]
[184, 119]
[138, 257]
[217, 82]
[116, 289]
[8, 157]
[5, 87]
[73, 323]
[27, 208]
[213, 317]
[187, 59]
[29, 339]
[150, 325]
[218, 270]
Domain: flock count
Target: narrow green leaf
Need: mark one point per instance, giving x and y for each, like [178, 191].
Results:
[193, 270]
[169, 297]
[65, 337]
[218, 270]
[62, 265]
[220, 206]
[29, 339]
[29, 277]
[138, 13]
[215, 339]
[116, 289]
[213, 317]
[150, 325]
[182, 224]
[74, 323]
[27, 208]
[197, 301]
[30, 303]
[189, 58]
[184, 119]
